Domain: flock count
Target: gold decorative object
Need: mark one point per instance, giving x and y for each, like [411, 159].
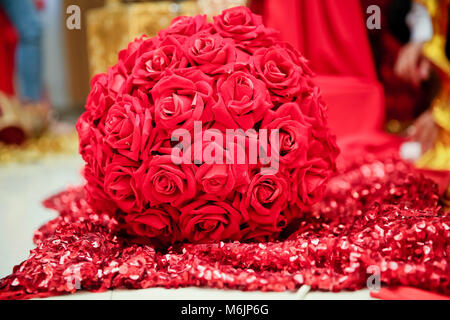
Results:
[214, 7]
[13, 114]
[112, 27]
[36, 149]
[9, 112]
[438, 157]
[446, 200]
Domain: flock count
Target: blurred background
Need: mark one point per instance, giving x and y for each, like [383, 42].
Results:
[370, 58]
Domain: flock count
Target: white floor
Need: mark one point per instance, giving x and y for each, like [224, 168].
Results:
[22, 189]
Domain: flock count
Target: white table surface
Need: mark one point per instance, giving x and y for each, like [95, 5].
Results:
[22, 189]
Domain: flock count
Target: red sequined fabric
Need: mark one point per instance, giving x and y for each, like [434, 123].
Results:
[378, 212]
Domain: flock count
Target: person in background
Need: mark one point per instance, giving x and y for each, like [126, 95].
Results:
[25, 17]
[412, 67]
[10, 128]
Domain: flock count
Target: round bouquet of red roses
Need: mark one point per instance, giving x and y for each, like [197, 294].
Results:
[206, 132]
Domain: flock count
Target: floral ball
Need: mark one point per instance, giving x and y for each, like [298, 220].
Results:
[207, 132]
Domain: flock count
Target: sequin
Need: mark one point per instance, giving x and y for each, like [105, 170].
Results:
[378, 212]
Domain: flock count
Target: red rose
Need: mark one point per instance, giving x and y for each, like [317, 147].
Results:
[97, 156]
[84, 128]
[243, 100]
[220, 174]
[297, 58]
[117, 80]
[120, 184]
[128, 127]
[161, 181]
[323, 152]
[308, 182]
[95, 193]
[129, 55]
[206, 220]
[284, 78]
[294, 133]
[294, 212]
[96, 153]
[313, 109]
[182, 98]
[211, 53]
[322, 147]
[186, 26]
[246, 28]
[166, 55]
[158, 222]
[308, 185]
[266, 197]
[98, 101]
[265, 233]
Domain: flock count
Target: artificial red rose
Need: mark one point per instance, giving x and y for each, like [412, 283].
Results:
[294, 133]
[157, 222]
[163, 145]
[243, 100]
[265, 233]
[215, 179]
[96, 153]
[137, 57]
[117, 80]
[322, 152]
[128, 55]
[166, 55]
[97, 156]
[266, 197]
[219, 172]
[186, 26]
[323, 147]
[300, 60]
[120, 184]
[84, 127]
[128, 127]
[246, 28]
[95, 194]
[282, 76]
[294, 212]
[314, 109]
[308, 185]
[98, 101]
[182, 98]
[211, 53]
[161, 181]
[134, 50]
[206, 220]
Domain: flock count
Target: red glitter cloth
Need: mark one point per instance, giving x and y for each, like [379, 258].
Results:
[378, 212]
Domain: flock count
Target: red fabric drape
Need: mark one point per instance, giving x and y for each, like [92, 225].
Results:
[8, 43]
[406, 293]
[332, 34]
[355, 105]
